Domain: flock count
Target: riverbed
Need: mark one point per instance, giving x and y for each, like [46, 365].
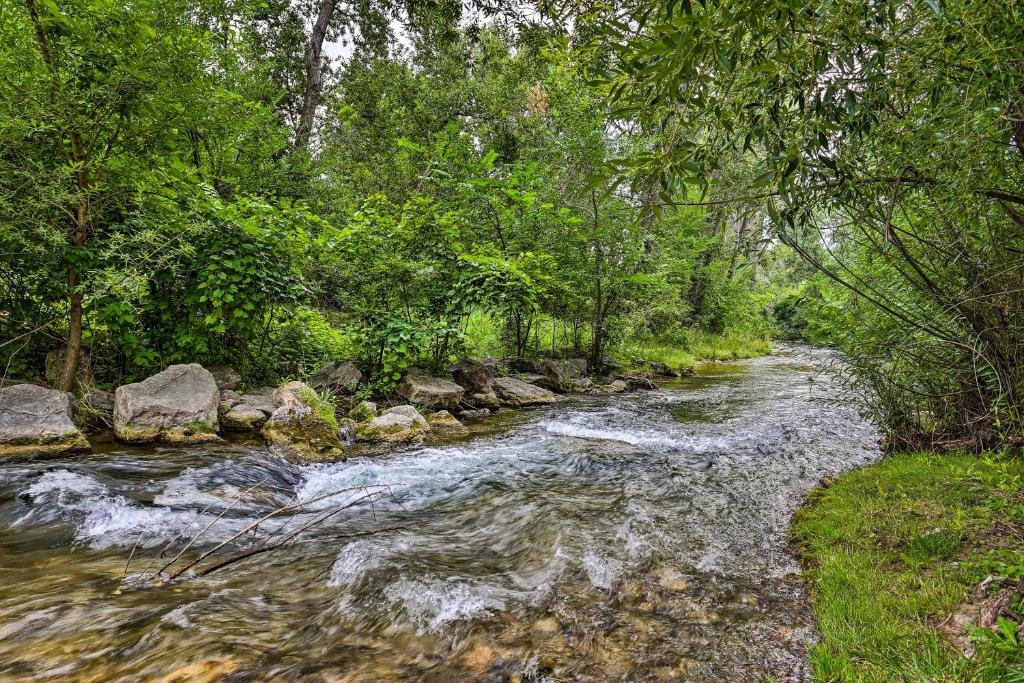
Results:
[629, 537]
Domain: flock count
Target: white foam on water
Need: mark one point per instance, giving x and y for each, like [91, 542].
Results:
[416, 480]
[602, 571]
[432, 603]
[359, 557]
[103, 518]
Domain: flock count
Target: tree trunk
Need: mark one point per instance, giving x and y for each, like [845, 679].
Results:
[79, 158]
[597, 343]
[314, 74]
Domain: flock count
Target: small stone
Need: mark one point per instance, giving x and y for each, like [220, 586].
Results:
[546, 625]
[243, 418]
[474, 414]
[365, 410]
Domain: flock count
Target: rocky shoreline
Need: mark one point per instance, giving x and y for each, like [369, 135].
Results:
[315, 421]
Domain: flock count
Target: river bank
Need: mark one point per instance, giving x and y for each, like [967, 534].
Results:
[914, 567]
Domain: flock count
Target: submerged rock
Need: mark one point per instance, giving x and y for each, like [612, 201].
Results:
[401, 424]
[515, 393]
[36, 421]
[297, 430]
[443, 421]
[339, 377]
[430, 392]
[474, 414]
[178, 405]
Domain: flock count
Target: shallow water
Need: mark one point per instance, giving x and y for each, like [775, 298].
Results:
[634, 537]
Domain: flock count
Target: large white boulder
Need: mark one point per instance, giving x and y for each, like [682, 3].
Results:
[430, 392]
[178, 405]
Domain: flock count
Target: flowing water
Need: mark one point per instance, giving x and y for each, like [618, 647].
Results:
[633, 537]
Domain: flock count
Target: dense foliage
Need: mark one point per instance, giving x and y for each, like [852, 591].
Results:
[166, 198]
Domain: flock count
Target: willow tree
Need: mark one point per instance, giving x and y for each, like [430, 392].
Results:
[887, 135]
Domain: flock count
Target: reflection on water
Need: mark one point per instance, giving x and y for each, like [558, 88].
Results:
[637, 537]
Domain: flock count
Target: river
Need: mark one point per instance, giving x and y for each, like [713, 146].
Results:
[630, 537]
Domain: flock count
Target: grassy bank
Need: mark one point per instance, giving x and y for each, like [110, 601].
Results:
[697, 346]
[895, 554]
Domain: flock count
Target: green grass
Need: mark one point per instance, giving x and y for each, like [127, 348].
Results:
[893, 548]
[323, 404]
[696, 346]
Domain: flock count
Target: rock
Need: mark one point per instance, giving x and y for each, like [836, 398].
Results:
[339, 377]
[663, 369]
[365, 410]
[473, 375]
[36, 421]
[443, 421]
[615, 387]
[297, 430]
[638, 383]
[515, 393]
[178, 405]
[582, 385]
[243, 417]
[578, 366]
[474, 414]
[100, 401]
[609, 364]
[430, 392]
[529, 377]
[225, 376]
[400, 424]
[261, 399]
[230, 397]
[55, 364]
[556, 376]
[486, 400]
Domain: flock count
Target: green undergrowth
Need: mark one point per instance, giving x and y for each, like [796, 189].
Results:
[893, 549]
[323, 404]
[694, 347]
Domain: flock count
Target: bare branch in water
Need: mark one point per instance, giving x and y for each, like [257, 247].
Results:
[269, 543]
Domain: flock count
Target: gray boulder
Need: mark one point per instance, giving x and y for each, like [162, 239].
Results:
[515, 393]
[577, 366]
[556, 376]
[477, 414]
[430, 392]
[484, 399]
[582, 385]
[36, 421]
[473, 375]
[178, 405]
[226, 377]
[339, 377]
[243, 417]
[300, 429]
[401, 424]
